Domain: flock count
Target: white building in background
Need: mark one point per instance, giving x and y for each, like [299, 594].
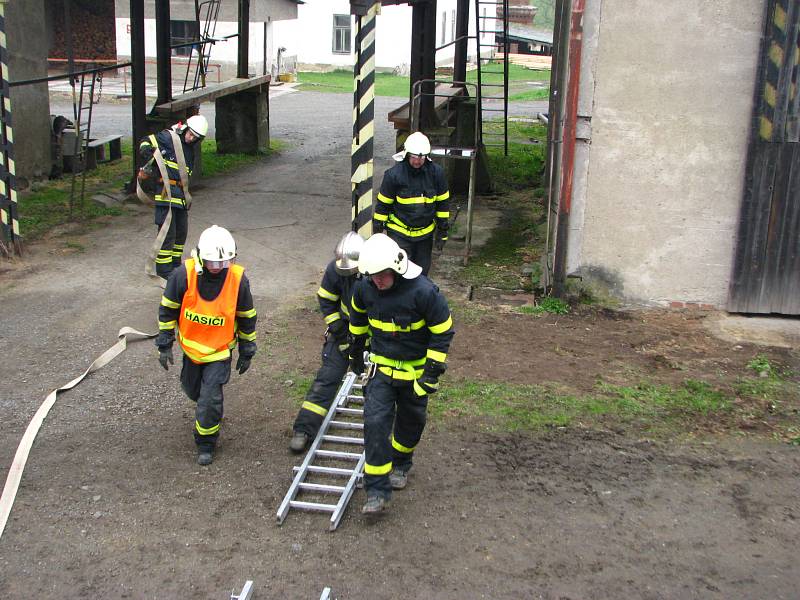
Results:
[265, 15]
[323, 34]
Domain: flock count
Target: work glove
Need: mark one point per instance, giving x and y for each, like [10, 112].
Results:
[428, 382]
[243, 363]
[165, 357]
[377, 226]
[441, 235]
[338, 329]
[357, 343]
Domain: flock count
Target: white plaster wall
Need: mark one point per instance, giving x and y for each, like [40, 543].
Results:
[673, 88]
[310, 36]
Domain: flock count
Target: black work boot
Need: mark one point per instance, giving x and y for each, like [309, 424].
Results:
[299, 442]
[205, 456]
[375, 505]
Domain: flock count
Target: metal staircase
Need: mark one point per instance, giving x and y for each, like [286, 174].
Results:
[492, 92]
[330, 460]
[206, 13]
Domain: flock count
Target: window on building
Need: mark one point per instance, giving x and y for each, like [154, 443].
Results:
[182, 32]
[453, 26]
[444, 27]
[341, 34]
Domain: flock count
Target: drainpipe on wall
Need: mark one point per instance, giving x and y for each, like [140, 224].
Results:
[568, 147]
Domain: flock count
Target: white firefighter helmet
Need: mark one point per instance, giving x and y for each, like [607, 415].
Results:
[216, 244]
[380, 252]
[416, 143]
[347, 252]
[198, 124]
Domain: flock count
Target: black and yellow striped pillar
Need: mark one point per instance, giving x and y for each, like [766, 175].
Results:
[8, 187]
[363, 121]
[780, 86]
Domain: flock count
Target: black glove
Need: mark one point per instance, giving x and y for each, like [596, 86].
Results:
[165, 357]
[429, 380]
[338, 329]
[441, 235]
[377, 226]
[243, 363]
[357, 343]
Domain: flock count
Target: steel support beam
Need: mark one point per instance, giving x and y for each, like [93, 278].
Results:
[242, 69]
[163, 52]
[462, 31]
[423, 56]
[139, 99]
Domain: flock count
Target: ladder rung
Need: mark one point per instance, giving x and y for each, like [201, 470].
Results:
[326, 470]
[312, 506]
[346, 425]
[320, 487]
[337, 454]
[493, 109]
[350, 411]
[355, 398]
[340, 439]
[493, 97]
[493, 85]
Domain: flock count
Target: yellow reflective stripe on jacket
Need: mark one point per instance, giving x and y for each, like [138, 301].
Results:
[379, 217]
[165, 260]
[409, 232]
[404, 370]
[323, 293]
[246, 314]
[385, 199]
[247, 337]
[436, 355]
[444, 196]
[203, 357]
[343, 308]
[443, 214]
[377, 469]
[178, 201]
[442, 327]
[315, 408]
[400, 448]
[418, 389]
[332, 317]
[359, 329]
[167, 325]
[416, 200]
[392, 327]
[356, 308]
[206, 430]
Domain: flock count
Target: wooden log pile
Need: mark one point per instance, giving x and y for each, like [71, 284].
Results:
[529, 61]
[93, 30]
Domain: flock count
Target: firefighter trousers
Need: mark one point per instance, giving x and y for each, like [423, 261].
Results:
[322, 392]
[169, 257]
[419, 251]
[203, 384]
[394, 419]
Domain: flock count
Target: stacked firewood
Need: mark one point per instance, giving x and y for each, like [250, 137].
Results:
[93, 30]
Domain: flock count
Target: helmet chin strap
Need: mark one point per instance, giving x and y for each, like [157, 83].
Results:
[198, 262]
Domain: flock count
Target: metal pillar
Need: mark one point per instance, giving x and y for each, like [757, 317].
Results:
[163, 52]
[8, 185]
[242, 70]
[362, 150]
[423, 56]
[139, 99]
[462, 31]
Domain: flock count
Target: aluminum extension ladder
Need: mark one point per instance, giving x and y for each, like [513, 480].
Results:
[350, 465]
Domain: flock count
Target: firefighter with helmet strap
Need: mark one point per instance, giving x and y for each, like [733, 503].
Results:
[334, 295]
[207, 301]
[411, 328]
[413, 206]
[190, 134]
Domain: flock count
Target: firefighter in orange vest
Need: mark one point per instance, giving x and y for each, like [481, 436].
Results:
[207, 300]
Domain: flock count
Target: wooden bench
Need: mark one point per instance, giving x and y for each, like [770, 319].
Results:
[102, 150]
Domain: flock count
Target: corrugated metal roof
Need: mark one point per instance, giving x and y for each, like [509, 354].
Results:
[529, 34]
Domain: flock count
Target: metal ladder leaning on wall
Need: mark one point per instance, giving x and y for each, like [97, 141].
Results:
[492, 90]
[341, 416]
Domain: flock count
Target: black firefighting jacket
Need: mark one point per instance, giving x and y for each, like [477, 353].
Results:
[413, 201]
[163, 140]
[334, 294]
[209, 286]
[409, 323]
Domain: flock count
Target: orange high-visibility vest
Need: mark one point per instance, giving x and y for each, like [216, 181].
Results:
[207, 328]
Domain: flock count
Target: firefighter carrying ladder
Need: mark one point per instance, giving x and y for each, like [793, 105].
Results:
[330, 464]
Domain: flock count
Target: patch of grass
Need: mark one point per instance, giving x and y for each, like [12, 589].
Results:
[216, 164]
[510, 407]
[340, 81]
[524, 165]
[548, 304]
[468, 312]
[761, 365]
[537, 94]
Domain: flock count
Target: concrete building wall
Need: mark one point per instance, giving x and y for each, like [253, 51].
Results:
[183, 10]
[30, 104]
[672, 99]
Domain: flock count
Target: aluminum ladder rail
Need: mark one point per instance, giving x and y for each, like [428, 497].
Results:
[351, 391]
